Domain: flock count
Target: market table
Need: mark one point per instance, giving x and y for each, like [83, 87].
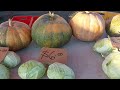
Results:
[86, 63]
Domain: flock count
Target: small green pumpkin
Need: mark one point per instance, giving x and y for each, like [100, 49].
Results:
[51, 30]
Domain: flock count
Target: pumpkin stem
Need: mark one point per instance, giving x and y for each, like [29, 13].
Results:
[51, 15]
[10, 22]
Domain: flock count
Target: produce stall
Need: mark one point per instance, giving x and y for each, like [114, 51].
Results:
[82, 59]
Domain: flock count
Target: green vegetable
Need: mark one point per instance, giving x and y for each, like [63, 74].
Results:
[31, 70]
[11, 60]
[111, 65]
[4, 72]
[60, 71]
[103, 46]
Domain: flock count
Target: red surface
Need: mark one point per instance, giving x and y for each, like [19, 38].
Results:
[29, 20]
[35, 18]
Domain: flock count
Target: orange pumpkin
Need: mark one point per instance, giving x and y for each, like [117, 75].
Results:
[15, 35]
[87, 26]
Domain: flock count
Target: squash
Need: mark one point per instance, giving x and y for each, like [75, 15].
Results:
[51, 30]
[87, 26]
[113, 27]
[15, 35]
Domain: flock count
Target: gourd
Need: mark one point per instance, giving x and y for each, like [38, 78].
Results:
[87, 26]
[51, 30]
[113, 26]
[15, 35]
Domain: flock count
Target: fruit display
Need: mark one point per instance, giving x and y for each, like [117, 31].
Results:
[15, 35]
[51, 30]
[87, 26]
[93, 50]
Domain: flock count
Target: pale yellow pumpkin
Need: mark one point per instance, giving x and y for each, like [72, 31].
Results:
[87, 26]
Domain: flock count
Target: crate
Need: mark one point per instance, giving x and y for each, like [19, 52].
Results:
[35, 18]
[29, 20]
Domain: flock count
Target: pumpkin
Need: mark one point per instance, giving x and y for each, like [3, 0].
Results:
[87, 26]
[113, 26]
[15, 35]
[51, 30]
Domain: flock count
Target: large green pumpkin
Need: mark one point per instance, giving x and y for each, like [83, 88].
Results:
[51, 30]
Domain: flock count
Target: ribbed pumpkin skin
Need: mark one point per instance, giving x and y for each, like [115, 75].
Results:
[51, 33]
[15, 37]
[87, 26]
